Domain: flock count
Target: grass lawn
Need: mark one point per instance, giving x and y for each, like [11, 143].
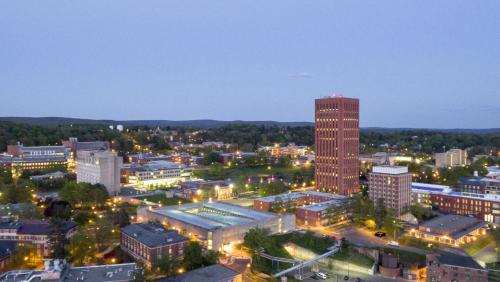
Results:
[414, 242]
[353, 257]
[407, 258]
[160, 198]
[476, 246]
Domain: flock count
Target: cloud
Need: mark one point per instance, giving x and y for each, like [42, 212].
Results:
[301, 75]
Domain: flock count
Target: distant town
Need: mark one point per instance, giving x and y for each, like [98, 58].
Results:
[248, 201]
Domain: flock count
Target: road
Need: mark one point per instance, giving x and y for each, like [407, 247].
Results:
[340, 272]
[364, 238]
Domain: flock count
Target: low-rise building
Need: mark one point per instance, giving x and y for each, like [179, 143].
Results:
[215, 223]
[48, 176]
[450, 229]
[35, 232]
[148, 242]
[448, 267]
[290, 201]
[212, 273]
[322, 214]
[421, 193]
[311, 208]
[156, 174]
[451, 158]
[61, 271]
[478, 184]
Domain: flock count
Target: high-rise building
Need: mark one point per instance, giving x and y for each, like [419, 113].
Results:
[392, 184]
[337, 145]
[99, 167]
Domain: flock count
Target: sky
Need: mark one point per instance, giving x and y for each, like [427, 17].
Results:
[432, 64]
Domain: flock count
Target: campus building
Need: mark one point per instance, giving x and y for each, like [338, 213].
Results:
[35, 232]
[442, 198]
[391, 184]
[61, 271]
[216, 223]
[99, 167]
[449, 267]
[311, 208]
[148, 242]
[337, 145]
[478, 184]
[156, 174]
[451, 158]
[450, 229]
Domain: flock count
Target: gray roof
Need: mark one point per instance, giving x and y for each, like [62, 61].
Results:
[153, 234]
[213, 215]
[213, 273]
[101, 273]
[457, 260]
[454, 225]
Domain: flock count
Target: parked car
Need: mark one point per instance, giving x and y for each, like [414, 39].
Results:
[393, 243]
[380, 234]
[320, 275]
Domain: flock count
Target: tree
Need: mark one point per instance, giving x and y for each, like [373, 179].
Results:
[211, 158]
[167, 265]
[121, 218]
[57, 237]
[84, 194]
[82, 248]
[495, 232]
[380, 212]
[391, 223]
[256, 238]
[193, 257]
[211, 257]
[273, 188]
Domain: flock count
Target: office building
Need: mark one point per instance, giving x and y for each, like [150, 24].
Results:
[337, 145]
[99, 167]
[148, 242]
[451, 158]
[392, 184]
[216, 223]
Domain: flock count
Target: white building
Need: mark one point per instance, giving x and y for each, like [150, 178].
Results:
[99, 167]
[157, 174]
[451, 158]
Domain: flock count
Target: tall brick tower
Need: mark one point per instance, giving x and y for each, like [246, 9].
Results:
[337, 145]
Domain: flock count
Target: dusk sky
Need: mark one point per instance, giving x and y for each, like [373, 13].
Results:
[411, 63]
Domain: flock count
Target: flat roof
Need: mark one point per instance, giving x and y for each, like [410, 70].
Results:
[213, 215]
[102, 273]
[454, 225]
[390, 169]
[296, 195]
[457, 260]
[322, 206]
[153, 234]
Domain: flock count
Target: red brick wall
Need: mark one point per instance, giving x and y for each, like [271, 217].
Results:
[337, 145]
